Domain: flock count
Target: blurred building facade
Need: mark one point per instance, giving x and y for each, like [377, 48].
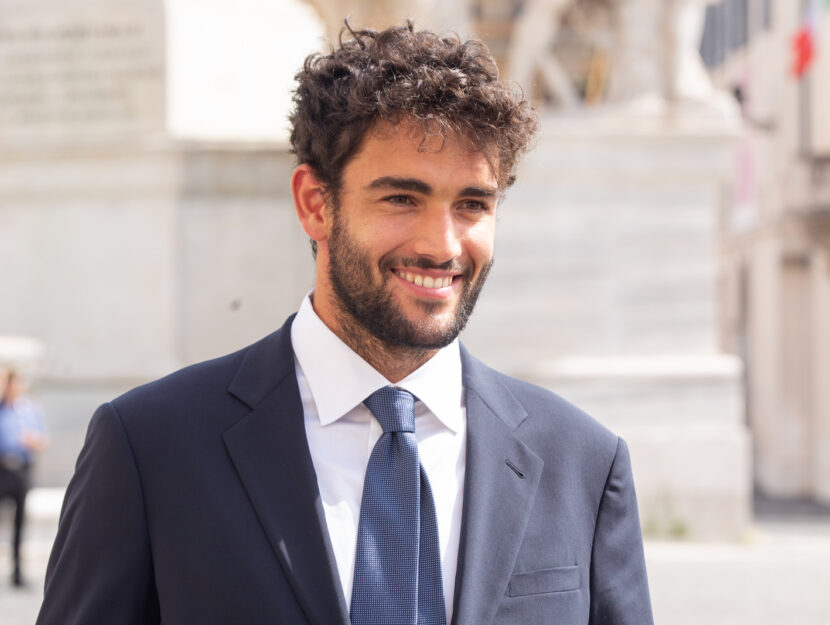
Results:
[145, 217]
[776, 280]
[144, 201]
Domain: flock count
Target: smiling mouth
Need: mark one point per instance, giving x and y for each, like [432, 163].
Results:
[429, 282]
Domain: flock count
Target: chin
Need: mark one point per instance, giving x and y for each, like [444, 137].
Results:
[430, 336]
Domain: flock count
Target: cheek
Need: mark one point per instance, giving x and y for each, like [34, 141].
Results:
[370, 241]
[385, 240]
[480, 242]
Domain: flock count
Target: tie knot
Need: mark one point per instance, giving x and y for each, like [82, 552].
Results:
[394, 408]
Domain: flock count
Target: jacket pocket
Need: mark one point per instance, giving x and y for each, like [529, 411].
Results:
[559, 579]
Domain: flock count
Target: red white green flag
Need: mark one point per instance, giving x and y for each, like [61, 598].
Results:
[805, 41]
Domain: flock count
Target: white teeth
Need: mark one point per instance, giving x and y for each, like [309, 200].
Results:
[426, 281]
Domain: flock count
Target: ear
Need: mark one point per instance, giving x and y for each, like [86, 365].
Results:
[310, 203]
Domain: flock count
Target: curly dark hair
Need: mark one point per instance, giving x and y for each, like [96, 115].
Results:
[445, 85]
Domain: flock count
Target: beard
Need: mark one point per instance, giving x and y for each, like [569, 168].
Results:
[372, 305]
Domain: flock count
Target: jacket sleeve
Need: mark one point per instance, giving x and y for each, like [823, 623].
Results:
[100, 570]
[619, 586]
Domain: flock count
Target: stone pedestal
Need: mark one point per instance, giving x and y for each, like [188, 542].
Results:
[130, 264]
[605, 289]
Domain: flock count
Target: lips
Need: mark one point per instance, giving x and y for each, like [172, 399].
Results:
[429, 282]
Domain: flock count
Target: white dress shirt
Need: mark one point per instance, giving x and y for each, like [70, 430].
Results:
[341, 433]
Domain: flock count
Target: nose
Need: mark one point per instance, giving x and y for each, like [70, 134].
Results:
[438, 235]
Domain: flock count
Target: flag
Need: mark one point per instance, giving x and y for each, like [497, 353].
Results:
[804, 43]
[804, 50]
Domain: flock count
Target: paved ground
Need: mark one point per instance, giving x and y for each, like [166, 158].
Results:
[778, 575]
[20, 606]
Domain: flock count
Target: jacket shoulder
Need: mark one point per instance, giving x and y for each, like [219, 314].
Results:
[549, 405]
[545, 415]
[197, 380]
[246, 376]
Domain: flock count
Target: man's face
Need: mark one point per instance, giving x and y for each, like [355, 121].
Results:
[412, 236]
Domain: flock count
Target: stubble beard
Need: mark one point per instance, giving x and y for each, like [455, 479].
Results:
[371, 307]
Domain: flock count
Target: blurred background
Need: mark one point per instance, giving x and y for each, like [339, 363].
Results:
[663, 260]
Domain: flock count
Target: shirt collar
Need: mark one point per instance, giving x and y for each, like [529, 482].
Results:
[340, 379]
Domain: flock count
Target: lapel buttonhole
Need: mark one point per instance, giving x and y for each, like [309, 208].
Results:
[514, 468]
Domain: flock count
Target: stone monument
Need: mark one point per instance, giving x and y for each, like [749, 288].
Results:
[79, 73]
[135, 236]
[657, 58]
[530, 52]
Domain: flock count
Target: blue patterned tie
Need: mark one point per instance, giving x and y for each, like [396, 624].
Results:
[397, 572]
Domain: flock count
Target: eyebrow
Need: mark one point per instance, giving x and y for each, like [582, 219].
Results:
[400, 184]
[479, 192]
[419, 186]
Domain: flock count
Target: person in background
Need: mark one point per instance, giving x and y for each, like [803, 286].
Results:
[22, 435]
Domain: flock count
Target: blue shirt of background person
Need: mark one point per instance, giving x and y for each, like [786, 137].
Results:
[22, 432]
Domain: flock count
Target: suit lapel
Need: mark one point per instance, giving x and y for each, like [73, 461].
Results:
[270, 452]
[502, 475]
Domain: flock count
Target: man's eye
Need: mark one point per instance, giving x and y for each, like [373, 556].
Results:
[475, 206]
[399, 199]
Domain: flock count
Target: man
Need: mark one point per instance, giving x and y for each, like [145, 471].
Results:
[358, 465]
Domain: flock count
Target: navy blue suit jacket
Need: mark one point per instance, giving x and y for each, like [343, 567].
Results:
[195, 501]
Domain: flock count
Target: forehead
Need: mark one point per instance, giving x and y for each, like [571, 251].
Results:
[407, 149]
